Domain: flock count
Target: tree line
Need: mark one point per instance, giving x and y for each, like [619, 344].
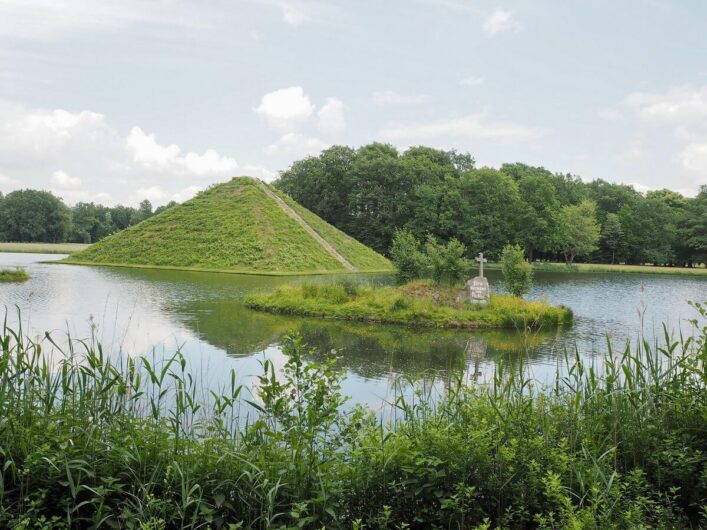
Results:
[39, 216]
[372, 191]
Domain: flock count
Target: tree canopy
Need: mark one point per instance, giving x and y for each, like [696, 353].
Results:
[372, 191]
[40, 216]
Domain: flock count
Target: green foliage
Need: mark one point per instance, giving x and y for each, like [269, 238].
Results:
[447, 263]
[31, 215]
[231, 227]
[517, 273]
[14, 275]
[408, 258]
[418, 303]
[612, 234]
[372, 191]
[138, 443]
[579, 230]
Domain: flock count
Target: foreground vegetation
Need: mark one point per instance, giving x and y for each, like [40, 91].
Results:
[42, 248]
[14, 275]
[134, 443]
[232, 227]
[418, 303]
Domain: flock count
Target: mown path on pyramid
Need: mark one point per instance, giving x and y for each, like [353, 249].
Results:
[311, 231]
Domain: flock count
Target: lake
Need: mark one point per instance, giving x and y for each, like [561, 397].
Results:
[156, 312]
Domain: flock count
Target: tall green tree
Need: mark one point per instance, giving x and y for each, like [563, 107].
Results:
[536, 224]
[323, 184]
[407, 256]
[34, 216]
[612, 234]
[490, 204]
[578, 231]
[517, 273]
[693, 230]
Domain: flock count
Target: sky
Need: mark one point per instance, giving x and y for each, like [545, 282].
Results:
[117, 101]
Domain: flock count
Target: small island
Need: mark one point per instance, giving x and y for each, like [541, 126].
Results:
[417, 303]
[14, 275]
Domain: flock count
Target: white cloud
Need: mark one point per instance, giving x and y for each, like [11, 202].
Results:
[152, 194]
[390, 97]
[500, 21]
[49, 19]
[472, 80]
[674, 121]
[64, 180]
[98, 163]
[260, 172]
[694, 159]
[292, 14]
[43, 134]
[295, 145]
[680, 106]
[297, 12]
[148, 152]
[303, 128]
[157, 194]
[471, 127]
[332, 119]
[285, 107]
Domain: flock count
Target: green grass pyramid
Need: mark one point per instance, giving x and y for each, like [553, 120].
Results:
[240, 226]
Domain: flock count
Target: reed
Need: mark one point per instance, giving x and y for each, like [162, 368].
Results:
[14, 275]
[92, 441]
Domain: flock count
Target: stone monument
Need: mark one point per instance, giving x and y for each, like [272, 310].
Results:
[476, 290]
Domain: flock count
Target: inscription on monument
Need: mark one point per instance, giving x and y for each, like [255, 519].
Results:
[476, 290]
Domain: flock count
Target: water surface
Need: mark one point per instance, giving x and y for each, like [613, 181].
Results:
[143, 311]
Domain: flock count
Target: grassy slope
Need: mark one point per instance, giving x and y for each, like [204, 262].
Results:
[232, 227]
[416, 304]
[360, 256]
[42, 248]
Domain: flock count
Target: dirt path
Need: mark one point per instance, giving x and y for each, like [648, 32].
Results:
[311, 231]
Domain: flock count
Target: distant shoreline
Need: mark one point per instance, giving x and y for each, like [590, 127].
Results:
[608, 268]
[70, 248]
[42, 248]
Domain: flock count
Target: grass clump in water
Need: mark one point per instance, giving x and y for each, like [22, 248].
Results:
[14, 275]
[88, 441]
[418, 303]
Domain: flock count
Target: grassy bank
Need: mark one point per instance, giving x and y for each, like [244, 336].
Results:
[13, 275]
[418, 303]
[43, 248]
[606, 267]
[136, 444]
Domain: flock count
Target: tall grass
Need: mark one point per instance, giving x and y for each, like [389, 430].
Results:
[17, 274]
[87, 441]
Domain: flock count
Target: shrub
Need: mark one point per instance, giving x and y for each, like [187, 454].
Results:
[517, 273]
[351, 288]
[448, 265]
[410, 262]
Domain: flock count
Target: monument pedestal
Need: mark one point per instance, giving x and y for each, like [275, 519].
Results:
[476, 291]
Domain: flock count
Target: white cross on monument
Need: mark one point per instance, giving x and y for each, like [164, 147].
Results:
[481, 259]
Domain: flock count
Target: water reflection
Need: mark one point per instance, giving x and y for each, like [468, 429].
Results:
[135, 311]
